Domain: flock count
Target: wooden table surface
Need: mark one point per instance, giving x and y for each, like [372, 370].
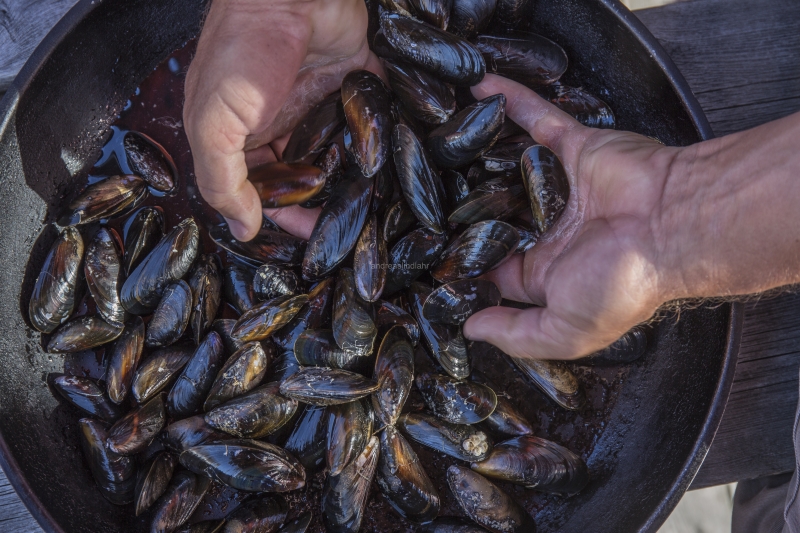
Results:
[742, 60]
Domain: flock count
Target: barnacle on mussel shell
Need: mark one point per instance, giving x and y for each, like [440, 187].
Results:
[197, 377]
[254, 415]
[261, 321]
[547, 185]
[327, 386]
[313, 315]
[82, 333]
[104, 199]
[189, 432]
[461, 441]
[394, 372]
[159, 370]
[171, 317]
[280, 184]
[389, 315]
[425, 96]
[151, 161]
[486, 503]
[482, 247]
[459, 402]
[349, 430]
[179, 502]
[237, 287]
[316, 129]
[494, 199]
[403, 481]
[583, 106]
[309, 438]
[470, 17]
[113, 473]
[142, 231]
[153, 480]
[86, 395]
[268, 246]
[554, 379]
[243, 371]
[271, 281]
[528, 58]
[53, 297]
[454, 302]
[123, 359]
[369, 263]
[317, 347]
[411, 256]
[247, 465]
[624, 350]
[472, 131]
[169, 261]
[535, 463]
[367, 106]
[104, 276]
[345, 496]
[446, 56]
[353, 318]
[421, 185]
[133, 432]
[261, 515]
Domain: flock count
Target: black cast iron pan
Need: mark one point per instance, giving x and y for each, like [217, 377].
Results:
[54, 119]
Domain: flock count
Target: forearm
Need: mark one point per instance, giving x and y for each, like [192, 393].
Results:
[729, 221]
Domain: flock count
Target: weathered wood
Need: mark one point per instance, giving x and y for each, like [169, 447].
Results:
[14, 517]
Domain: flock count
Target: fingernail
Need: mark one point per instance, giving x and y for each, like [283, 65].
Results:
[238, 230]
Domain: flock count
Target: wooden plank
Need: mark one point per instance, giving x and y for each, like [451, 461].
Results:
[740, 59]
[23, 24]
[14, 517]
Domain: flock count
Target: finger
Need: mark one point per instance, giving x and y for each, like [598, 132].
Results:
[259, 156]
[279, 145]
[510, 279]
[295, 219]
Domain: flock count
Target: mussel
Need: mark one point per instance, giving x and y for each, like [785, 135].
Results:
[472, 131]
[153, 479]
[451, 525]
[495, 199]
[179, 502]
[313, 315]
[189, 432]
[271, 281]
[113, 473]
[528, 58]
[158, 371]
[461, 441]
[316, 129]
[454, 302]
[327, 386]
[207, 526]
[345, 496]
[237, 287]
[86, 395]
[456, 188]
[247, 465]
[104, 276]
[330, 163]
[143, 230]
[349, 429]
[403, 481]
[547, 185]
[444, 342]
[104, 199]
[459, 402]
[353, 318]
[254, 415]
[506, 420]
[53, 297]
[470, 17]
[435, 12]
[584, 107]
[367, 106]
[151, 161]
[309, 438]
[482, 247]
[223, 327]
[264, 514]
[394, 372]
[206, 287]
[123, 360]
[171, 317]
[388, 315]
[197, 377]
[535, 463]
[411, 256]
[425, 96]
[396, 220]
[299, 525]
[242, 372]
[369, 262]
[82, 333]
[132, 433]
[554, 379]
[261, 321]
[317, 347]
[280, 184]
[269, 245]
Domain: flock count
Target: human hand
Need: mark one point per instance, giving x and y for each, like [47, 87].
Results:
[599, 270]
[260, 66]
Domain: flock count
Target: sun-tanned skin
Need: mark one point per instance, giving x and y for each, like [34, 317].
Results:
[645, 223]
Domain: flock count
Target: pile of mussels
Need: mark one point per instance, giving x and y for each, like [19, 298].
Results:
[407, 176]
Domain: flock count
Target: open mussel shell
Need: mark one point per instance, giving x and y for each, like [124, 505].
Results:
[368, 108]
[299, 525]
[454, 302]
[308, 440]
[179, 502]
[487, 504]
[345, 496]
[206, 285]
[271, 281]
[394, 372]
[53, 297]
[237, 287]
[316, 129]
[482, 247]
[87, 396]
[461, 441]
[104, 276]
[624, 350]
[353, 318]
[470, 17]
[104, 199]
[113, 473]
[459, 402]
[444, 342]
[153, 480]
[388, 315]
[133, 433]
[535, 463]
[223, 327]
[317, 347]
[396, 220]
[421, 185]
[83, 333]
[422, 94]
[494, 199]
[369, 263]
[143, 230]
[242, 372]
[261, 321]
[330, 163]
[471, 132]
[254, 415]
[554, 379]
[403, 481]
[280, 184]
[268, 246]
[411, 256]
[313, 315]
[189, 432]
[261, 515]
[451, 524]
[169, 261]
[123, 360]
[338, 226]
[349, 430]
[528, 58]
[158, 371]
[446, 56]
[547, 185]
[247, 465]
[171, 317]
[506, 420]
[195, 381]
[583, 106]
[327, 386]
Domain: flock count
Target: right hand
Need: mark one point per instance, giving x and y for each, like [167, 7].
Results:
[260, 66]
